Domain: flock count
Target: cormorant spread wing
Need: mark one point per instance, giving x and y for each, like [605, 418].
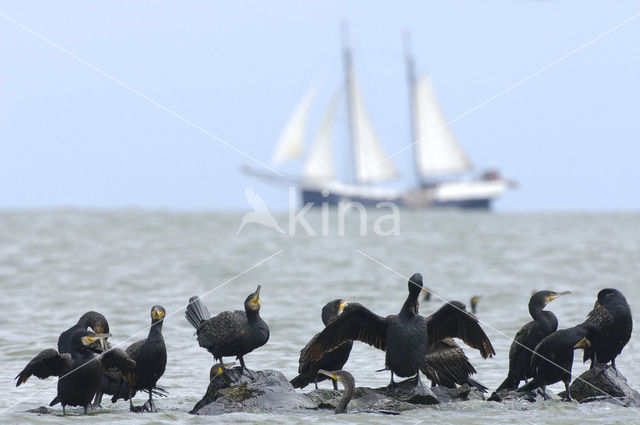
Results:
[355, 323]
[453, 321]
[47, 363]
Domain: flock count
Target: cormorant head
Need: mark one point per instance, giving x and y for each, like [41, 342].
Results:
[341, 376]
[217, 370]
[474, 302]
[88, 340]
[426, 294]
[95, 321]
[252, 303]
[542, 298]
[415, 284]
[607, 295]
[332, 309]
[157, 313]
[590, 332]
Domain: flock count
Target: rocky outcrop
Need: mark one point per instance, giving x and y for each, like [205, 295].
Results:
[270, 391]
[604, 385]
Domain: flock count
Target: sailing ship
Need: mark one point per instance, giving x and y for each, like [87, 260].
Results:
[440, 163]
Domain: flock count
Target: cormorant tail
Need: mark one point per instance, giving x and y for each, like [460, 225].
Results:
[54, 401]
[530, 386]
[510, 383]
[300, 381]
[476, 384]
[196, 312]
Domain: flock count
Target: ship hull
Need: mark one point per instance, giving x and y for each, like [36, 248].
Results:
[468, 195]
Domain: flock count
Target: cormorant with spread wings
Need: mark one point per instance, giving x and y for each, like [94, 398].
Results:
[405, 337]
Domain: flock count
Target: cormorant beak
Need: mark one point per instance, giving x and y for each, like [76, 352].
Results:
[329, 374]
[157, 314]
[90, 339]
[256, 295]
[556, 295]
[344, 303]
[583, 343]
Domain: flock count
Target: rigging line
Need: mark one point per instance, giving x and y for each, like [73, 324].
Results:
[522, 81]
[139, 93]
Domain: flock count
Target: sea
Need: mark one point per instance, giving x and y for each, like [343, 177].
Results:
[57, 264]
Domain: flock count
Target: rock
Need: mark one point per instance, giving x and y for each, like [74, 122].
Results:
[270, 390]
[604, 385]
[42, 410]
[262, 391]
[531, 396]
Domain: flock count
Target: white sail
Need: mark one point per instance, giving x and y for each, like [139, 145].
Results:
[291, 142]
[437, 152]
[319, 164]
[372, 164]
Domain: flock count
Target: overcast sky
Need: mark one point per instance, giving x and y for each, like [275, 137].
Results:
[195, 71]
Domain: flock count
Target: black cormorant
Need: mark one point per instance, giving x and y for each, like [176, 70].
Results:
[79, 371]
[553, 357]
[332, 360]
[230, 333]
[150, 355]
[405, 336]
[347, 381]
[474, 303]
[544, 323]
[91, 319]
[446, 364]
[612, 316]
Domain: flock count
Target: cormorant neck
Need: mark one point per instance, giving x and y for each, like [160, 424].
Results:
[537, 311]
[410, 306]
[252, 315]
[156, 329]
[346, 398]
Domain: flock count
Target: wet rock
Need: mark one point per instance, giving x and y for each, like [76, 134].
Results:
[530, 396]
[270, 390]
[248, 390]
[604, 385]
[42, 410]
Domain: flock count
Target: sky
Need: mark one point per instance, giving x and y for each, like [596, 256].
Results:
[159, 104]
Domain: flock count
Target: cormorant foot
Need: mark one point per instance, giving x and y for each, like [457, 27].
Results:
[150, 406]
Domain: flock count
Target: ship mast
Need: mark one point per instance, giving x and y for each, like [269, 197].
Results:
[348, 69]
[413, 104]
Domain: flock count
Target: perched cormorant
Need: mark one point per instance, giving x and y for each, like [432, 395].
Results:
[230, 333]
[446, 364]
[405, 336]
[347, 381]
[474, 303]
[612, 316]
[91, 319]
[544, 323]
[332, 360]
[150, 355]
[79, 371]
[553, 357]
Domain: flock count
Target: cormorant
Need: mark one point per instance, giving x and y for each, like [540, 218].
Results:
[553, 357]
[150, 355]
[474, 303]
[427, 294]
[348, 383]
[79, 371]
[544, 323]
[446, 364]
[405, 336]
[91, 319]
[332, 360]
[612, 316]
[230, 333]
